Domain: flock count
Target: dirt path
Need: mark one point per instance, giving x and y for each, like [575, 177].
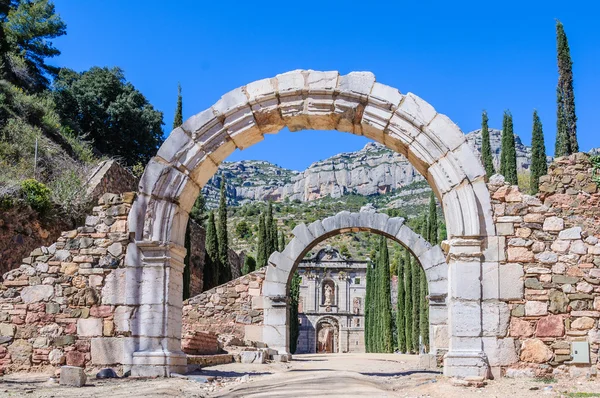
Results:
[334, 375]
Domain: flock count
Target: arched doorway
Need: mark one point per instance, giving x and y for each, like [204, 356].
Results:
[327, 337]
[299, 100]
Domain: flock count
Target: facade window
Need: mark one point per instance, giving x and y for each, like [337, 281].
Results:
[357, 281]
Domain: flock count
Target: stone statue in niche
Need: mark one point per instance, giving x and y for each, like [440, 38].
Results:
[356, 306]
[328, 294]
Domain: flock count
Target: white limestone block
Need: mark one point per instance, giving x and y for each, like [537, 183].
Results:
[113, 292]
[446, 131]
[416, 110]
[322, 82]
[198, 121]
[511, 281]
[465, 319]
[385, 96]
[231, 102]
[495, 317]
[356, 84]
[175, 145]
[89, 327]
[290, 83]
[464, 280]
[432, 257]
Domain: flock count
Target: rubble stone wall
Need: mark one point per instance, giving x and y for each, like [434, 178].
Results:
[234, 308]
[200, 343]
[57, 303]
[554, 237]
[110, 177]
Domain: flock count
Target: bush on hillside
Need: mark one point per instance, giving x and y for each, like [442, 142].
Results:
[37, 195]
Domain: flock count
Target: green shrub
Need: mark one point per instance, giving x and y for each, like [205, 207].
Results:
[36, 195]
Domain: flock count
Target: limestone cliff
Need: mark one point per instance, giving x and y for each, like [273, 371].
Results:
[372, 170]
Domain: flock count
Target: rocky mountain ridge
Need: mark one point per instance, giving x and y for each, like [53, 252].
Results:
[372, 170]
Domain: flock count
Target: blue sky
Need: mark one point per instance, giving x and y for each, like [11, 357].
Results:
[460, 56]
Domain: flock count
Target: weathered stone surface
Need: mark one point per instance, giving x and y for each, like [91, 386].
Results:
[34, 294]
[520, 328]
[20, 352]
[519, 254]
[571, 233]
[553, 224]
[534, 350]
[558, 302]
[72, 376]
[89, 327]
[533, 308]
[258, 356]
[550, 326]
[584, 323]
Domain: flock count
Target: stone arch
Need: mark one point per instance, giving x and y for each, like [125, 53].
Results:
[282, 265]
[306, 99]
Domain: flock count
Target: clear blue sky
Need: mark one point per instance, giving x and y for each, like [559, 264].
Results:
[460, 56]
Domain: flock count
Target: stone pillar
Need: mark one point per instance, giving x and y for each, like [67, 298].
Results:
[155, 286]
[465, 356]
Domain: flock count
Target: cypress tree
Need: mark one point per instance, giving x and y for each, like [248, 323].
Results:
[249, 265]
[408, 307]
[178, 119]
[261, 249]
[432, 221]
[274, 237]
[281, 242]
[385, 308]
[424, 315]
[269, 230]
[187, 272]
[508, 156]
[225, 272]
[416, 312]
[486, 148]
[294, 322]
[566, 132]
[368, 305]
[211, 262]
[400, 313]
[539, 167]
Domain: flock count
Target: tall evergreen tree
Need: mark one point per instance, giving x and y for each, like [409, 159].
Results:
[566, 132]
[294, 321]
[432, 221]
[281, 241]
[416, 308]
[508, 156]
[249, 265]
[261, 249]
[408, 299]
[385, 307]
[539, 167]
[211, 261]
[400, 311]
[424, 308]
[368, 305]
[225, 271]
[274, 236]
[178, 119]
[187, 271]
[486, 148]
[269, 230]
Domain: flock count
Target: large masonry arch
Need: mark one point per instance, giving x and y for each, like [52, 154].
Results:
[281, 268]
[300, 100]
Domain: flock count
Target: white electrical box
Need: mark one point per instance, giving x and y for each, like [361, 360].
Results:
[580, 352]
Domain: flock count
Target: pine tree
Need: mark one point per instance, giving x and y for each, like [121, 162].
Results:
[261, 249]
[432, 221]
[400, 311]
[508, 156]
[294, 322]
[566, 132]
[539, 167]
[486, 148]
[211, 262]
[178, 119]
[225, 271]
[408, 307]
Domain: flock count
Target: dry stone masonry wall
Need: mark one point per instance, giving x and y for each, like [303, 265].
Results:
[53, 308]
[554, 238]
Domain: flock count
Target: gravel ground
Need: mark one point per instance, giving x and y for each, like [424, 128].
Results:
[334, 375]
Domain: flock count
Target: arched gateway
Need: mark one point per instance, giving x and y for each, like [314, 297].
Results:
[300, 100]
[281, 268]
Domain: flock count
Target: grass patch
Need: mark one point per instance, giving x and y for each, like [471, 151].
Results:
[582, 394]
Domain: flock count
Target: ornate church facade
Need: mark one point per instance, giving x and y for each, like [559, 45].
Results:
[331, 303]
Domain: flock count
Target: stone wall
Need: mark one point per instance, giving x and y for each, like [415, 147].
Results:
[234, 308]
[54, 305]
[110, 176]
[200, 343]
[554, 238]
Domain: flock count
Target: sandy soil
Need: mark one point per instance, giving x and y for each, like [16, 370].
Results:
[339, 375]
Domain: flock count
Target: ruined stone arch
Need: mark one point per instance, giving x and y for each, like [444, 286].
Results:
[299, 100]
[282, 266]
